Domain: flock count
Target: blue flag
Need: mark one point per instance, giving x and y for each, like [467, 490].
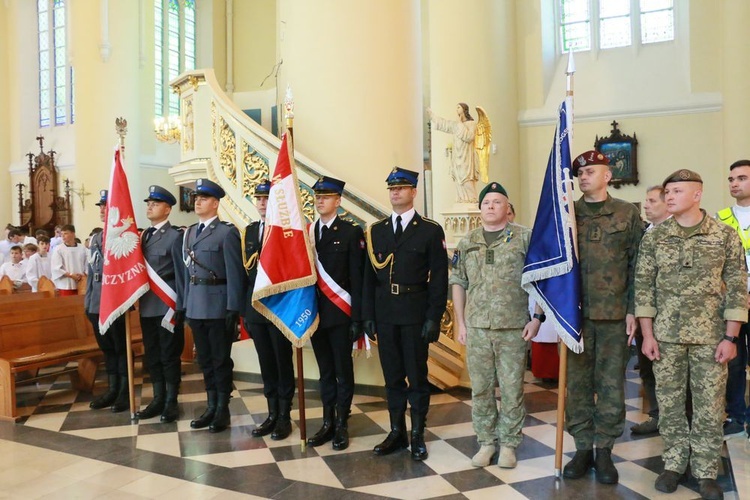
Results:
[551, 274]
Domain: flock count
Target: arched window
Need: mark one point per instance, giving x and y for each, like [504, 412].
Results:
[174, 50]
[55, 75]
[607, 24]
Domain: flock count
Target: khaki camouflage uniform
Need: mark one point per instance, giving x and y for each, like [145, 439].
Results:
[608, 247]
[691, 285]
[496, 313]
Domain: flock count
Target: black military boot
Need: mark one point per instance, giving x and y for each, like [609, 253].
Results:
[156, 406]
[418, 448]
[606, 473]
[108, 397]
[326, 432]
[171, 411]
[270, 422]
[208, 415]
[579, 465]
[221, 416]
[284, 421]
[341, 437]
[710, 489]
[122, 402]
[396, 439]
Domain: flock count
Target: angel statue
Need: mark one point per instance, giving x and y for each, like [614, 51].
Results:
[120, 242]
[470, 158]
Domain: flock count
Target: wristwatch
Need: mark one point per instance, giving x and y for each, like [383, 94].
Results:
[541, 317]
[731, 339]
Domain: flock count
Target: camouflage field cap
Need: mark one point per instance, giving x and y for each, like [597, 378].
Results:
[682, 175]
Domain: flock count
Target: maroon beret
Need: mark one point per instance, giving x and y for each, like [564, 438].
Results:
[592, 157]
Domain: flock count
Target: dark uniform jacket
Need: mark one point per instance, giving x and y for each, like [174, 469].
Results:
[214, 255]
[419, 261]
[94, 278]
[162, 252]
[341, 252]
[251, 254]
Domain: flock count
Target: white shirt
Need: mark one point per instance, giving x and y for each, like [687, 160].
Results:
[16, 272]
[66, 260]
[325, 224]
[37, 267]
[406, 218]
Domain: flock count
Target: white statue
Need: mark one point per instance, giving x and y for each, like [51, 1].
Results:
[470, 152]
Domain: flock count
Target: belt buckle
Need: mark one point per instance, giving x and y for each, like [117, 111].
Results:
[192, 280]
[395, 289]
[97, 277]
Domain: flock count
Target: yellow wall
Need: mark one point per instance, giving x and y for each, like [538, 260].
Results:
[5, 27]
[254, 44]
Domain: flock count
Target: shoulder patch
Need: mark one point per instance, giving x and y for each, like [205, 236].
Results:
[430, 220]
[227, 223]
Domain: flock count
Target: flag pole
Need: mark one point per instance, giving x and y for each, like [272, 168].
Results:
[289, 115]
[562, 376]
[121, 126]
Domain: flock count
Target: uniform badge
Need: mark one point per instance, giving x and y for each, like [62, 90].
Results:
[595, 233]
[361, 244]
[456, 257]
[444, 246]
[489, 257]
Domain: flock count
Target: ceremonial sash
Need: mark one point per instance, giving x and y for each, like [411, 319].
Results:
[328, 285]
[167, 295]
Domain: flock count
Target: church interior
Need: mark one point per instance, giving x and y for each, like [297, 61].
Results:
[205, 88]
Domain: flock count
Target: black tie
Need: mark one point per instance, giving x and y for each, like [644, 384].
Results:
[399, 228]
[323, 231]
[201, 227]
[260, 232]
[149, 233]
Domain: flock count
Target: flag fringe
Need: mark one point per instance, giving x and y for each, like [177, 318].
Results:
[573, 345]
[285, 286]
[122, 309]
[296, 342]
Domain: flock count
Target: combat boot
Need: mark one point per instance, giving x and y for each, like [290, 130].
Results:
[284, 422]
[122, 402]
[606, 472]
[326, 432]
[341, 437]
[270, 422]
[171, 410]
[710, 489]
[156, 406]
[418, 447]
[208, 415]
[668, 481]
[507, 458]
[221, 417]
[483, 457]
[108, 397]
[579, 465]
[396, 439]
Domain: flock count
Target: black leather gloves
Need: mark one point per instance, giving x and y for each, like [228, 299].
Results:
[355, 331]
[430, 331]
[179, 318]
[230, 324]
[369, 328]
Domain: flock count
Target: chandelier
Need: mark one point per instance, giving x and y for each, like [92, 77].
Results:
[167, 129]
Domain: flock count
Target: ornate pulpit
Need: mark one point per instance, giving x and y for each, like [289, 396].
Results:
[43, 209]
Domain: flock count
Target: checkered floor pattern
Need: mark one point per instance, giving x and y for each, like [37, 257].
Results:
[58, 417]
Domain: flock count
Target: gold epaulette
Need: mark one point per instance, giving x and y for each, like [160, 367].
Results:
[247, 262]
[430, 220]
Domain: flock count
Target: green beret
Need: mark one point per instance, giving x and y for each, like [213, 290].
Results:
[682, 175]
[492, 187]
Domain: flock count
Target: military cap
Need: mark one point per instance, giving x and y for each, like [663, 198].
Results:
[492, 187]
[158, 193]
[206, 187]
[401, 177]
[682, 175]
[592, 157]
[328, 185]
[262, 189]
[102, 197]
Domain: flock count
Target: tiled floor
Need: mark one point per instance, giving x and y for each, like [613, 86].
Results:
[62, 449]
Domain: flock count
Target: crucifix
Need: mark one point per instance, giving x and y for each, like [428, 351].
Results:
[81, 193]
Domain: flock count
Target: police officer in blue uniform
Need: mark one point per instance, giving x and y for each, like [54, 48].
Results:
[404, 298]
[211, 299]
[274, 350]
[340, 248]
[112, 343]
[162, 245]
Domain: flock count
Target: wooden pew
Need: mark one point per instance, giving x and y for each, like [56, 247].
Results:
[39, 330]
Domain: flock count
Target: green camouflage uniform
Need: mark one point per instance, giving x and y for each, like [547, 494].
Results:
[608, 247]
[690, 285]
[496, 313]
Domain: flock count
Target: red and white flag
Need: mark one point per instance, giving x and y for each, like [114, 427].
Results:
[124, 277]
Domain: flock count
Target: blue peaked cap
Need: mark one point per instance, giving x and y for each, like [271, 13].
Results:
[328, 185]
[158, 193]
[402, 177]
[209, 188]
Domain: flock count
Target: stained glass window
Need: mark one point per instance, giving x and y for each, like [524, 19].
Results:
[657, 21]
[614, 24]
[174, 50]
[55, 75]
[575, 31]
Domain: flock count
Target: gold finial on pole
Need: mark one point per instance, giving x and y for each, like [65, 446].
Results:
[289, 108]
[121, 126]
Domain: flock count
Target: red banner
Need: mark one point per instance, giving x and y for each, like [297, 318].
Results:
[124, 277]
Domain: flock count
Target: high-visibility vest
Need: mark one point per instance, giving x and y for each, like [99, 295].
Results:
[726, 215]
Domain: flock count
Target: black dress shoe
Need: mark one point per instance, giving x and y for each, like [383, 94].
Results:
[266, 427]
[606, 472]
[282, 429]
[170, 413]
[710, 489]
[396, 440]
[418, 448]
[154, 408]
[208, 415]
[341, 437]
[327, 431]
[582, 461]
[667, 481]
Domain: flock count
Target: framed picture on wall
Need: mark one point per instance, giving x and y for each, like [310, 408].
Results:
[187, 199]
[622, 152]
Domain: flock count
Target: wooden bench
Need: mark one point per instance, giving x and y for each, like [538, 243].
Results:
[39, 330]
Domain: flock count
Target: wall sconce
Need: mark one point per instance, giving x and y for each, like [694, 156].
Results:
[167, 129]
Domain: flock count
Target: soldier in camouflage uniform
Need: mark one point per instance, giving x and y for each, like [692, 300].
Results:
[493, 322]
[691, 301]
[609, 231]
